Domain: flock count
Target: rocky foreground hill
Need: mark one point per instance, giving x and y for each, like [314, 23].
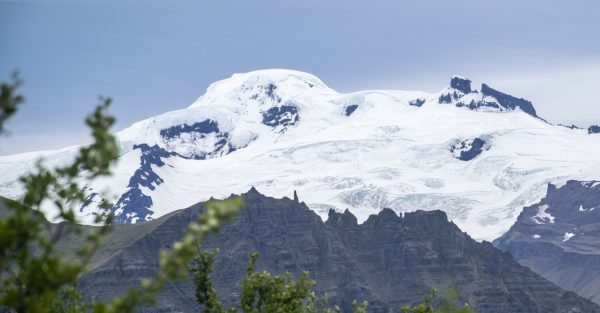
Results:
[389, 260]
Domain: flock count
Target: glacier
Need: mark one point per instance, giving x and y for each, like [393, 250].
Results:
[479, 155]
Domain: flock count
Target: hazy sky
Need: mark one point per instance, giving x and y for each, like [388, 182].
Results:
[155, 56]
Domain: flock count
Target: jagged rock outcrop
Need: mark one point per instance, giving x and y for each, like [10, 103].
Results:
[389, 260]
[559, 237]
[508, 102]
[461, 83]
[461, 95]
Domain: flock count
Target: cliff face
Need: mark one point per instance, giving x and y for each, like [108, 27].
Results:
[559, 237]
[389, 260]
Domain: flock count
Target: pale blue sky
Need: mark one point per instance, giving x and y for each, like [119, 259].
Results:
[155, 56]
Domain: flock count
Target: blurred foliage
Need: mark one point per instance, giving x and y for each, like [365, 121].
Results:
[9, 99]
[34, 277]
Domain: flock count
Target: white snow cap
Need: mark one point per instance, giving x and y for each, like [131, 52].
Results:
[289, 82]
[459, 77]
[284, 130]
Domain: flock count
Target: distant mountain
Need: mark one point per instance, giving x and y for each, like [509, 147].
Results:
[559, 237]
[389, 260]
[479, 155]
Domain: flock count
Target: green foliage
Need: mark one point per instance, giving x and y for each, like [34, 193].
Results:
[433, 303]
[9, 99]
[262, 292]
[206, 295]
[34, 277]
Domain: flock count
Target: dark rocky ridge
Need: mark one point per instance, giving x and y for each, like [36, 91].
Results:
[507, 101]
[460, 83]
[388, 260]
[542, 244]
[462, 86]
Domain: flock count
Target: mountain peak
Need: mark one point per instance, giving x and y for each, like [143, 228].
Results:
[362, 150]
[461, 83]
[507, 101]
[461, 94]
[273, 84]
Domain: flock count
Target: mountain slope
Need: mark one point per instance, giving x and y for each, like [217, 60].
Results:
[388, 260]
[479, 155]
[559, 237]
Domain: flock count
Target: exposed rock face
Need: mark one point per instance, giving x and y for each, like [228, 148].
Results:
[417, 102]
[461, 83]
[507, 101]
[133, 205]
[461, 94]
[559, 237]
[388, 260]
[200, 141]
[281, 117]
[350, 109]
[594, 129]
[469, 149]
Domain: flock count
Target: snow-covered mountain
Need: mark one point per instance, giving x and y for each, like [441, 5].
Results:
[479, 155]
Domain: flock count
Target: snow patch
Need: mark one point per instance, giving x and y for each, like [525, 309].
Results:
[543, 217]
[567, 236]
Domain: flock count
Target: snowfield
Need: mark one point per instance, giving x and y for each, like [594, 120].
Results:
[461, 151]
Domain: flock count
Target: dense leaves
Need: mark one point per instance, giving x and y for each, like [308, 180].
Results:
[262, 292]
